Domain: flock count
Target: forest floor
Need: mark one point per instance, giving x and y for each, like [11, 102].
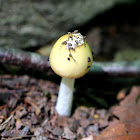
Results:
[27, 111]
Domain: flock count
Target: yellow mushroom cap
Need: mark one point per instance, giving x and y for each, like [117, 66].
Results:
[73, 62]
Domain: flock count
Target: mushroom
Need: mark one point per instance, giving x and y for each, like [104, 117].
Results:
[70, 58]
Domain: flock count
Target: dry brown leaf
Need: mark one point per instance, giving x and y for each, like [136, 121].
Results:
[115, 132]
[33, 104]
[88, 138]
[128, 126]
[18, 124]
[68, 134]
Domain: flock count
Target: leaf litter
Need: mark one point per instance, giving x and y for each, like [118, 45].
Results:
[27, 111]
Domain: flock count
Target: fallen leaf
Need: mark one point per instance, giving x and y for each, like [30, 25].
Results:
[18, 124]
[20, 111]
[88, 138]
[128, 125]
[38, 131]
[81, 132]
[114, 132]
[56, 131]
[93, 129]
[33, 104]
[24, 131]
[68, 134]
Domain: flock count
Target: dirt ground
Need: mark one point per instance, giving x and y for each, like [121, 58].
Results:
[27, 111]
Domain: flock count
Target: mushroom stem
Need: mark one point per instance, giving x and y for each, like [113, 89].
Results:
[65, 97]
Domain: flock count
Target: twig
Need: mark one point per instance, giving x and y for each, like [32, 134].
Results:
[35, 61]
[26, 60]
[18, 137]
[4, 124]
[120, 68]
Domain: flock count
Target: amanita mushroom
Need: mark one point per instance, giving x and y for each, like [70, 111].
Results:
[70, 58]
